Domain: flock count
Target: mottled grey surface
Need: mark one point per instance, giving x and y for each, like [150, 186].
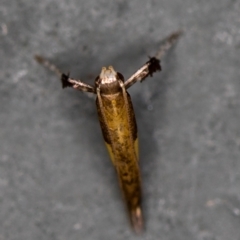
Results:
[56, 180]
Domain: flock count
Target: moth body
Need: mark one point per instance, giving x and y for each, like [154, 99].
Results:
[118, 124]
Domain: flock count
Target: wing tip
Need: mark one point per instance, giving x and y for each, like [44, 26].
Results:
[137, 220]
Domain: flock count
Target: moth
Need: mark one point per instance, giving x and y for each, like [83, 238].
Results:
[118, 123]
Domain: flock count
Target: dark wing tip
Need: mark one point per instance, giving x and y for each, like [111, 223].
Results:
[64, 80]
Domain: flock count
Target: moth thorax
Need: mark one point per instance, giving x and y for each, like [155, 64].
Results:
[109, 81]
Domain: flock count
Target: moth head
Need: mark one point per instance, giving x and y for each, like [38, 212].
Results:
[109, 81]
[108, 75]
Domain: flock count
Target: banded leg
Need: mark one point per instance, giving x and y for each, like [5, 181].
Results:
[65, 79]
[153, 64]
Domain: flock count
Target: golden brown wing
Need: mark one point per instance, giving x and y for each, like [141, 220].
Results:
[119, 130]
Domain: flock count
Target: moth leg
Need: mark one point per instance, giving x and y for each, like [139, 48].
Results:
[65, 79]
[153, 64]
[48, 65]
[76, 84]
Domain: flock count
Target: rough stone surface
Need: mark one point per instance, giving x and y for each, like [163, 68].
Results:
[56, 180]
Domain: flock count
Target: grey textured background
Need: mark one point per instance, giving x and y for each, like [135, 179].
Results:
[56, 180]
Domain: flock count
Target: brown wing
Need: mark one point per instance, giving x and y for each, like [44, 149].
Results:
[119, 130]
